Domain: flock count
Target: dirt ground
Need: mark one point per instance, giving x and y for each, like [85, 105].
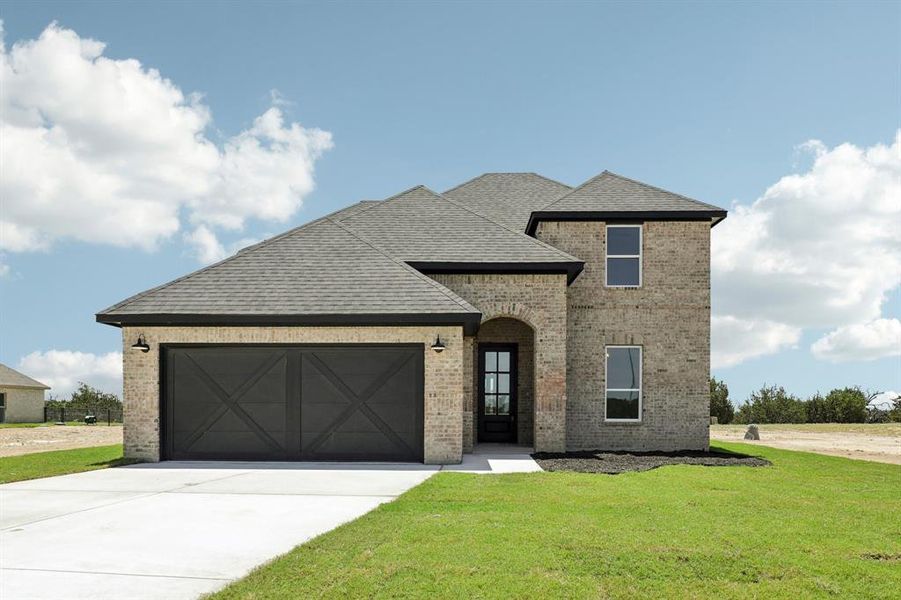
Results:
[25, 440]
[880, 442]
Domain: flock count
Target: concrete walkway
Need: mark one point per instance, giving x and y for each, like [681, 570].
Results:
[180, 529]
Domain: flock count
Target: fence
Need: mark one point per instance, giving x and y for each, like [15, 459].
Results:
[62, 415]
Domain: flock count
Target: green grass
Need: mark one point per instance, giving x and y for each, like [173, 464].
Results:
[807, 526]
[60, 462]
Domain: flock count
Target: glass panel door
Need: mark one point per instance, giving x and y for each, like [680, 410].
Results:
[497, 393]
[497, 383]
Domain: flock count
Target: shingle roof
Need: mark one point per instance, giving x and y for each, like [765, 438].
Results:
[365, 263]
[321, 269]
[508, 198]
[611, 193]
[11, 378]
[420, 226]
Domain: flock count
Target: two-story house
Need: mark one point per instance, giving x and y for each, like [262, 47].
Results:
[511, 308]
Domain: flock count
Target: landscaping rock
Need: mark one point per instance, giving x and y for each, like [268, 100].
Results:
[753, 433]
[622, 462]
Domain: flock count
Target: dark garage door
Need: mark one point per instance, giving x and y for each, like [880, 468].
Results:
[360, 402]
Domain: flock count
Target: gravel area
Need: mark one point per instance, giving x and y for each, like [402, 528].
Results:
[25, 440]
[622, 462]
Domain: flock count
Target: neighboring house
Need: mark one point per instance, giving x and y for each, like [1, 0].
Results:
[21, 397]
[511, 308]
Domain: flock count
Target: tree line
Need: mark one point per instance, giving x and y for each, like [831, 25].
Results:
[772, 404]
[86, 397]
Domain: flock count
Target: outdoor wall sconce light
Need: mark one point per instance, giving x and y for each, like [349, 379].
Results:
[141, 344]
[438, 346]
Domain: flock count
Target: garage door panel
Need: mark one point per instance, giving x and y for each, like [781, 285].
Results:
[340, 402]
[346, 445]
[231, 444]
[356, 368]
[231, 370]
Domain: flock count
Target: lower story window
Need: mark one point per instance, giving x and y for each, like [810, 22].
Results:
[623, 381]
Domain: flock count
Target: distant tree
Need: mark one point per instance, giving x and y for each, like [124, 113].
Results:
[894, 415]
[846, 405]
[86, 396]
[720, 405]
[771, 404]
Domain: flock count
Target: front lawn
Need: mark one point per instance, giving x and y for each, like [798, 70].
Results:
[808, 525]
[60, 462]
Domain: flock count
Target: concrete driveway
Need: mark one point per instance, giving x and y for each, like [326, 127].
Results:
[176, 529]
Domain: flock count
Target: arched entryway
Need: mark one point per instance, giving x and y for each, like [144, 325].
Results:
[504, 376]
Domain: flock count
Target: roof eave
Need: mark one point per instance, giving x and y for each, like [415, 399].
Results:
[715, 216]
[17, 386]
[468, 320]
[571, 269]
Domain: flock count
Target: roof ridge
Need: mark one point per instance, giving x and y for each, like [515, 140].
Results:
[574, 190]
[511, 230]
[659, 189]
[444, 290]
[552, 180]
[242, 252]
[477, 177]
[34, 383]
[609, 173]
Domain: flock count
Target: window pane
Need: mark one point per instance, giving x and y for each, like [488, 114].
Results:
[622, 271]
[490, 403]
[503, 383]
[623, 368]
[503, 361]
[490, 383]
[622, 405]
[623, 240]
[503, 404]
[491, 361]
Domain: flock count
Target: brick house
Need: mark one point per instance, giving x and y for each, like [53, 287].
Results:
[21, 397]
[511, 308]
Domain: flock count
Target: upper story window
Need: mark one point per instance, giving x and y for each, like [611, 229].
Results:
[623, 255]
[623, 383]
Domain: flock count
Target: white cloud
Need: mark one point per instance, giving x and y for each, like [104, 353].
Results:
[818, 249]
[736, 340]
[63, 369]
[885, 400]
[109, 151]
[207, 247]
[878, 338]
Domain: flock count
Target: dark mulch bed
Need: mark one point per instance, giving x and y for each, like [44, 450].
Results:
[623, 462]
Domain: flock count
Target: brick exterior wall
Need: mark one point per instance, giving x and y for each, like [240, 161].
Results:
[23, 405]
[515, 332]
[669, 316]
[443, 412]
[540, 302]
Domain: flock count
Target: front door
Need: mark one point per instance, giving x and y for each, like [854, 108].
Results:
[497, 393]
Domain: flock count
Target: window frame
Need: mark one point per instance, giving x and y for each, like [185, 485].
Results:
[640, 389]
[608, 256]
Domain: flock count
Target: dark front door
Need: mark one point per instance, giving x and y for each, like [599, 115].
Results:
[497, 393]
[293, 402]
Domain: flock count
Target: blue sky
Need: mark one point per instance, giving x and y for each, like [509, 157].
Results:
[711, 100]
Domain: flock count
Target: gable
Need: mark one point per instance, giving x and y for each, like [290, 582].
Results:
[612, 196]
